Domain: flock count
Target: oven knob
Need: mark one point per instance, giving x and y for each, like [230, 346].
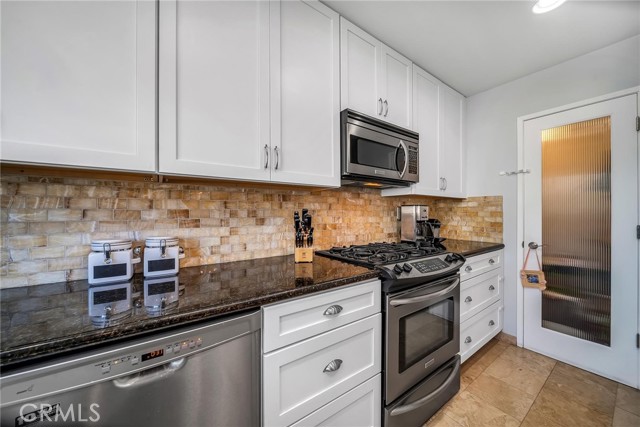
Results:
[406, 267]
[397, 269]
[450, 258]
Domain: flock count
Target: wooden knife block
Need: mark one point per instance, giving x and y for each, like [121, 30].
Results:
[303, 254]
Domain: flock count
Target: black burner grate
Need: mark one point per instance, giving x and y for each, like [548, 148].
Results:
[383, 253]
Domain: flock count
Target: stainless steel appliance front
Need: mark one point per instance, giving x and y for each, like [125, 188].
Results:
[422, 333]
[377, 153]
[203, 375]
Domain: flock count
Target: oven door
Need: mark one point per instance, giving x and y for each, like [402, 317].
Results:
[375, 154]
[422, 333]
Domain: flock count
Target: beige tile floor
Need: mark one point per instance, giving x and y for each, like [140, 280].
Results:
[503, 385]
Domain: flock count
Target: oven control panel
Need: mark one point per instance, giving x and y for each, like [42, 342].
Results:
[430, 265]
[150, 356]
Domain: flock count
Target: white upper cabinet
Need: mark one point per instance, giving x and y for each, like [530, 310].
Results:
[376, 80]
[305, 93]
[79, 83]
[395, 87]
[438, 117]
[249, 90]
[452, 161]
[214, 89]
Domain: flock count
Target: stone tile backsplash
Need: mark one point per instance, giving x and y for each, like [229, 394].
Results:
[48, 223]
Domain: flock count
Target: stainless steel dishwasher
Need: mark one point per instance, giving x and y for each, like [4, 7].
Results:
[204, 375]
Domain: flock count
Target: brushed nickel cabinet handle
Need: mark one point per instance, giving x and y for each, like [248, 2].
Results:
[379, 106]
[387, 105]
[333, 310]
[491, 261]
[266, 156]
[467, 340]
[468, 268]
[468, 299]
[334, 365]
[491, 323]
[275, 150]
[492, 288]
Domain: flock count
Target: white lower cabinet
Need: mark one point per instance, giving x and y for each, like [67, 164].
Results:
[327, 375]
[359, 407]
[481, 306]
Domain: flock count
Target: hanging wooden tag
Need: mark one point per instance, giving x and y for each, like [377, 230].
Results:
[532, 278]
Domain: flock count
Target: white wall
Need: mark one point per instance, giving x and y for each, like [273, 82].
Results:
[492, 132]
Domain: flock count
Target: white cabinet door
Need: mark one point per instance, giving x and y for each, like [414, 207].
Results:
[305, 93]
[395, 86]
[359, 62]
[452, 118]
[78, 83]
[214, 89]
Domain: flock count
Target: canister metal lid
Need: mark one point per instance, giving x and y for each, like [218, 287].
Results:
[159, 241]
[111, 245]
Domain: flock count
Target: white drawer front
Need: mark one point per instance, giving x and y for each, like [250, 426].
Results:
[479, 264]
[478, 330]
[292, 321]
[480, 292]
[295, 379]
[360, 407]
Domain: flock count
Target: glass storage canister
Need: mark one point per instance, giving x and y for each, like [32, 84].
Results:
[161, 256]
[112, 261]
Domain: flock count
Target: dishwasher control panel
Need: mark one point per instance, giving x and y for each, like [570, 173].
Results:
[160, 352]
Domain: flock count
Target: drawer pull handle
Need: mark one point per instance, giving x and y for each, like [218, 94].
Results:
[467, 340]
[334, 365]
[492, 288]
[333, 310]
[468, 268]
[491, 261]
[468, 299]
[491, 323]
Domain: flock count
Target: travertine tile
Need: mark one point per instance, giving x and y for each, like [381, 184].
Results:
[469, 410]
[441, 420]
[536, 362]
[554, 405]
[622, 418]
[508, 399]
[537, 419]
[517, 374]
[628, 399]
[583, 387]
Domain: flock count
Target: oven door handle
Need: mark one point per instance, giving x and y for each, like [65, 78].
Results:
[423, 401]
[421, 298]
[402, 146]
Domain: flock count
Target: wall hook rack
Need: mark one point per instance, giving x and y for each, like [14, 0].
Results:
[519, 171]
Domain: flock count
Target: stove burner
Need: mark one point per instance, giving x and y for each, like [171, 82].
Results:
[385, 253]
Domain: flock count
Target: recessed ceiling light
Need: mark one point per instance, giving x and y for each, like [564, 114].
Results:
[543, 6]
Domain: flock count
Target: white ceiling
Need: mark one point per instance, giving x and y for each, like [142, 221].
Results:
[476, 45]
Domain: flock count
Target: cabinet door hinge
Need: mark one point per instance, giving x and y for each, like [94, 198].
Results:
[637, 340]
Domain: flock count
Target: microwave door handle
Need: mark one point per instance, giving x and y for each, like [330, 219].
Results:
[424, 400]
[402, 146]
[405, 301]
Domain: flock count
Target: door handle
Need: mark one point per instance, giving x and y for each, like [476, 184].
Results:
[405, 301]
[402, 146]
[446, 184]
[468, 299]
[379, 106]
[492, 288]
[467, 340]
[275, 150]
[491, 323]
[150, 375]
[534, 245]
[266, 156]
[387, 105]
[468, 268]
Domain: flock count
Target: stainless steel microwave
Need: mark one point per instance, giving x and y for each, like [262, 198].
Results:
[376, 153]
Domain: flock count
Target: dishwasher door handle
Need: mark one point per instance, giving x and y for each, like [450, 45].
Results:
[150, 375]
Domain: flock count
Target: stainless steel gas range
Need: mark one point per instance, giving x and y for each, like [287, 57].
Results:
[421, 287]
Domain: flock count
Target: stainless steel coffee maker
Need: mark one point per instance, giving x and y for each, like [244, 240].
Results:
[415, 224]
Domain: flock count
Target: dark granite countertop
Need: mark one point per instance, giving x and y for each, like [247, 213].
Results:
[42, 321]
[471, 248]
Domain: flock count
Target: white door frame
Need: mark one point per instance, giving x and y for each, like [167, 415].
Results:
[520, 208]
